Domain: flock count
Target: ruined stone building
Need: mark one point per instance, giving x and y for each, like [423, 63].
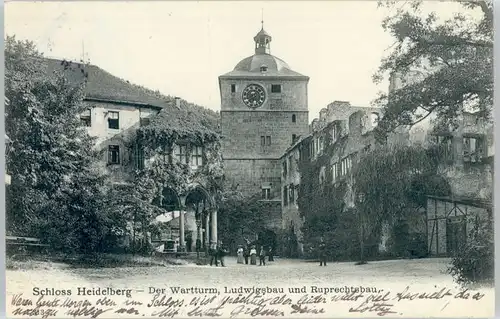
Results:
[348, 131]
[466, 163]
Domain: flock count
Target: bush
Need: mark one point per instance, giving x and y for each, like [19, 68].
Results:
[474, 262]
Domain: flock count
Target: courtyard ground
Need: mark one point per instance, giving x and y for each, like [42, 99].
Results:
[419, 275]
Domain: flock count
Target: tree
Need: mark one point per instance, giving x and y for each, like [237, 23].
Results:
[57, 191]
[239, 217]
[454, 58]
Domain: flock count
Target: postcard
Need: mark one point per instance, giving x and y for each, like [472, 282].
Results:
[231, 159]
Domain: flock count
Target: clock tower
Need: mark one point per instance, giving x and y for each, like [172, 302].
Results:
[263, 110]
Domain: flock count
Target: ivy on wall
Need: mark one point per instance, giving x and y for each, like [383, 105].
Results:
[391, 179]
[322, 205]
[162, 172]
[139, 199]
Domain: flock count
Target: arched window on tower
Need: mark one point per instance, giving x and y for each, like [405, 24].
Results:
[294, 118]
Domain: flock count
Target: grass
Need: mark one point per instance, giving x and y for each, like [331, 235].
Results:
[125, 260]
[36, 261]
[27, 264]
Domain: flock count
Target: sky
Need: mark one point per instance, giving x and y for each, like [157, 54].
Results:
[180, 48]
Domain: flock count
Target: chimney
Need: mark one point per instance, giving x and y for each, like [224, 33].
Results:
[178, 102]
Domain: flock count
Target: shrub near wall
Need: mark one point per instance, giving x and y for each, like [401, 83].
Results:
[474, 262]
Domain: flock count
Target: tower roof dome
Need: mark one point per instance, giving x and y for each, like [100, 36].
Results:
[262, 63]
[255, 62]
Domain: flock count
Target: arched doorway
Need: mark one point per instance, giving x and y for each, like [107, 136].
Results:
[191, 217]
[166, 231]
[199, 203]
[169, 200]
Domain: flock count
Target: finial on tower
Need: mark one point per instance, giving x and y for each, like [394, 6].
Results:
[83, 51]
[262, 39]
[262, 19]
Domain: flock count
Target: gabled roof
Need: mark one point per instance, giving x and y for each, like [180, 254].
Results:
[102, 85]
[188, 119]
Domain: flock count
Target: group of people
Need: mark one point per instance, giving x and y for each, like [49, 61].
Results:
[245, 253]
[219, 251]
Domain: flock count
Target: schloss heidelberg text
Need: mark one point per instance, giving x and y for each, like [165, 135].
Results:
[82, 291]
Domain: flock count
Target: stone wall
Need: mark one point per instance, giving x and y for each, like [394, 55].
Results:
[273, 213]
[356, 140]
[471, 182]
[467, 178]
[293, 95]
[291, 219]
[339, 110]
[254, 140]
[243, 131]
[249, 176]
[358, 137]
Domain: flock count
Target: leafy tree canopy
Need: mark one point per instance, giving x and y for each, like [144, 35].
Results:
[239, 217]
[56, 190]
[448, 62]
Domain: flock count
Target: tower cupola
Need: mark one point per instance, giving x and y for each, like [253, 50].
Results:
[262, 42]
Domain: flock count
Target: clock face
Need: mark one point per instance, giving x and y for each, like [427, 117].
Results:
[254, 96]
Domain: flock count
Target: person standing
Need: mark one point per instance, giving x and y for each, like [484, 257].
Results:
[271, 257]
[221, 252]
[239, 252]
[262, 256]
[322, 252]
[198, 248]
[246, 254]
[253, 256]
[213, 254]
